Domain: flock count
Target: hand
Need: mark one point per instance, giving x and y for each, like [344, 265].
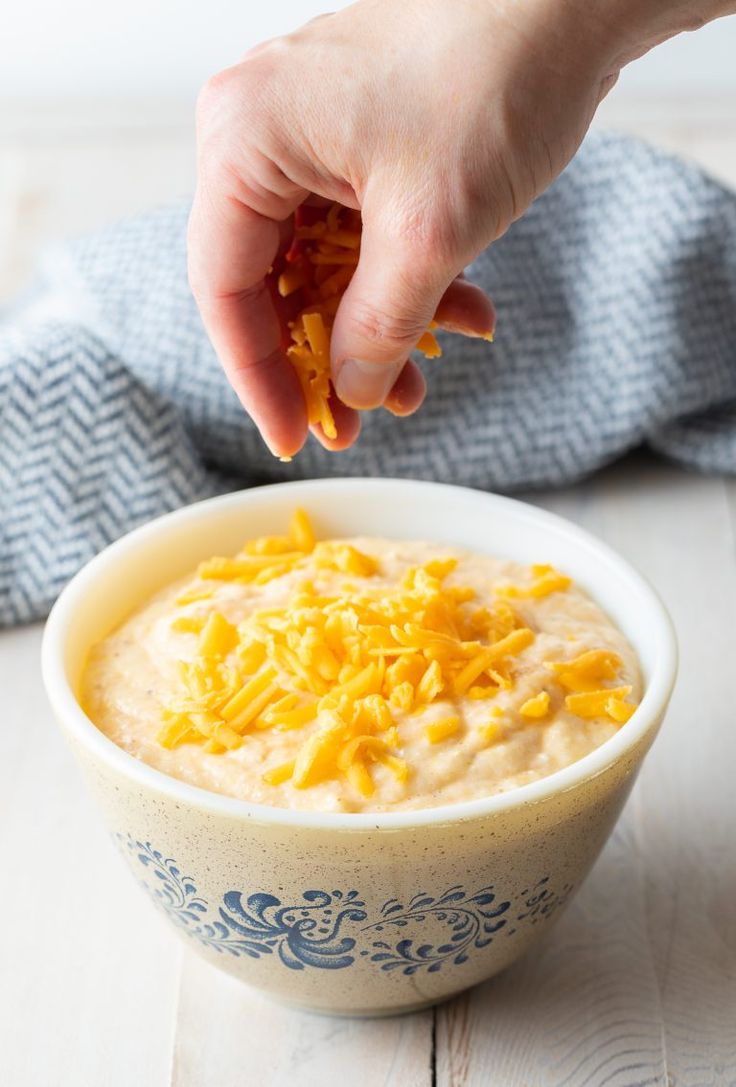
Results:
[441, 120]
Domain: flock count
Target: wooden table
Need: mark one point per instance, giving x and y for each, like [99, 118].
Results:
[636, 985]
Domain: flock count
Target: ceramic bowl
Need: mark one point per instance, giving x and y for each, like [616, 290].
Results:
[357, 913]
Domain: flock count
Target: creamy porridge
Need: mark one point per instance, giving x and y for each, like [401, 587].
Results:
[362, 675]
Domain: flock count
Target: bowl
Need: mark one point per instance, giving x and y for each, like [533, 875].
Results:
[361, 914]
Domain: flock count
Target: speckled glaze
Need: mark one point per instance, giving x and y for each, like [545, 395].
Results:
[358, 914]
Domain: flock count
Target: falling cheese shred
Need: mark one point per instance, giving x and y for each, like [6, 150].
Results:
[342, 671]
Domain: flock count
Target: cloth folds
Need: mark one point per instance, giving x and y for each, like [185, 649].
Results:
[616, 295]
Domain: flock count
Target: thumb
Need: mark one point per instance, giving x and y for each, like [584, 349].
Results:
[388, 304]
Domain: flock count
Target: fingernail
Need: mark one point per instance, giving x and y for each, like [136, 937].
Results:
[366, 384]
[470, 333]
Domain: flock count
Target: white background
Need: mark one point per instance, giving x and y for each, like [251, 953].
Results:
[166, 48]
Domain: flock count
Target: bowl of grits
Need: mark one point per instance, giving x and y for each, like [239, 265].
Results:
[359, 740]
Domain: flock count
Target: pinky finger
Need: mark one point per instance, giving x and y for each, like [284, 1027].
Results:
[408, 391]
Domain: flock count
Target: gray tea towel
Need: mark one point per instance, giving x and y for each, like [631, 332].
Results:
[616, 295]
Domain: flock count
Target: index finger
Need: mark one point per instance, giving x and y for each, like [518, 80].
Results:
[231, 249]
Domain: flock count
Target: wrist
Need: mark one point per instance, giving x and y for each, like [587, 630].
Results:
[627, 29]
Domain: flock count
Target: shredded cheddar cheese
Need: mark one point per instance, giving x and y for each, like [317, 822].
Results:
[491, 733]
[595, 703]
[277, 775]
[194, 594]
[546, 580]
[441, 730]
[536, 707]
[188, 624]
[619, 710]
[583, 677]
[319, 266]
[588, 671]
[342, 671]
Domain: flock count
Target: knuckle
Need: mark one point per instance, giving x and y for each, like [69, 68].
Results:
[427, 229]
[234, 95]
[386, 328]
[434, 240]
[215, 96]
[228, 119]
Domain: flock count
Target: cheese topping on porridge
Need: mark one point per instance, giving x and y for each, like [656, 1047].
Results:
[362, 675]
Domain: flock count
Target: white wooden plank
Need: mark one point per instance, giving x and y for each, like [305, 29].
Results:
[229, 1036]
[676, 527]
[638, 983]
[582, 1009]
[66, 964]
[88, 973]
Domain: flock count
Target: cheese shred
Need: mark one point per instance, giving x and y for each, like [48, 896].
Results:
[343, 670]
[317, 269]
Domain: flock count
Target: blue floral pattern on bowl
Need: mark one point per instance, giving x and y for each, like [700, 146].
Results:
[324, 929]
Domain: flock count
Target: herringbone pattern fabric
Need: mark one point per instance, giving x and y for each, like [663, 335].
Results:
[617, 302]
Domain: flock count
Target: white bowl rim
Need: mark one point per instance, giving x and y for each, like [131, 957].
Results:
[64, 702]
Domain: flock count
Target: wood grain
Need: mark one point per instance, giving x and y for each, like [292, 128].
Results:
[685, 811]
[229, 1036]
[88, 975]
[583, 1009]
[637, 985]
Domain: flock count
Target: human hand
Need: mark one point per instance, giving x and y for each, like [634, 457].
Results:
[441, 120]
